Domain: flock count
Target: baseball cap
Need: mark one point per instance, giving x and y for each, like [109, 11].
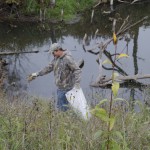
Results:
[54, 47]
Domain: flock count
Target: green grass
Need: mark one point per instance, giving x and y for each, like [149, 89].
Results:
[70, 7]
[34, 124]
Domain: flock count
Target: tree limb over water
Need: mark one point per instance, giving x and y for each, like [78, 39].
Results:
[101, 81]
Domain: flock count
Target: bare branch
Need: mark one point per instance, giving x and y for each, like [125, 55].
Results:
[97, 4]
[15, 53]
[123, 1]
[135, 1]
[120, 32]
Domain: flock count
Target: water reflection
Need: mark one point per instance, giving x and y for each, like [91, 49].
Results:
[28, 37]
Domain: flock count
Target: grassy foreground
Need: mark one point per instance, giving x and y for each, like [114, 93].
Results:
[33, 124]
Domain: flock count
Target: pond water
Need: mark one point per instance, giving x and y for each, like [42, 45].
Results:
[30, 36]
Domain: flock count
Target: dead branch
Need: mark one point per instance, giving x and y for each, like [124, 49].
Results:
[133, 77]
[123, 30]
[97, 4]
[108, 55]
[134, 24]
[122, 85]
[122, 80]
[129, 2]
[120, 32]
[15, 53]
[123, 1]
[124, 23]
[102, 49]
[135, 1]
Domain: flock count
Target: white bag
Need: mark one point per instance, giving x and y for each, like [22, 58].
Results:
[77, 100]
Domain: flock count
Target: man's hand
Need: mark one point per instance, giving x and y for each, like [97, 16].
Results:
[32, 76]
[77, 86]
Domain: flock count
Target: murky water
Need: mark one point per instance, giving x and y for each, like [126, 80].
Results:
[29, 37]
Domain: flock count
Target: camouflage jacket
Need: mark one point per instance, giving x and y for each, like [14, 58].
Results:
[66, 71]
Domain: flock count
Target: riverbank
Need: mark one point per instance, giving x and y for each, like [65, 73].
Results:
[69, 12]
[43, 11]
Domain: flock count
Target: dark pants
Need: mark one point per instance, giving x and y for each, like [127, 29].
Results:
[62, 103]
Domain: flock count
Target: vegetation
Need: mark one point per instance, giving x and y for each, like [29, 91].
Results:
[107, 109]
[49, 9]
[62, 9]
[34, 124]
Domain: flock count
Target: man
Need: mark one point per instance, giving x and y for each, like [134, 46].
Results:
[66, 73]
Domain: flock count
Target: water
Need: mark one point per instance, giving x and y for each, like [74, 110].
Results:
[28, 37]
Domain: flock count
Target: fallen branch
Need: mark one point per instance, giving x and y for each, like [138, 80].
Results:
[121, 79]
[97, 4]
[123, 1]
[135, 1]
[22, 52]
[129, 2]
[15, 53]
[125, 84]
[134, 77]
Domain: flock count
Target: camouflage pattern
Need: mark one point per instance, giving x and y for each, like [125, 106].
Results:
[66, 71]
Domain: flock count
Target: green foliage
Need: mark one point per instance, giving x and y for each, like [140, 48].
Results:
[70, 7]
[103, 115]
[125, 125]
[114, 139]
[34, 124]
[32, 6]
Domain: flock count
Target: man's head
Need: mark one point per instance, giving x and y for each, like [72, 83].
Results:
[56, 49]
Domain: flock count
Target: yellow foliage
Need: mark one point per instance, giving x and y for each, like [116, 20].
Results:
[122, 55]
[114, 38]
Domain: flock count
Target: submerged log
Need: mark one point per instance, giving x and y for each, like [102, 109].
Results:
[123, 80]
[126, 84]
[15, 53]
[133, 77]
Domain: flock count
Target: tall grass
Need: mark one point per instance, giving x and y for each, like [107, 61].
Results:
[34, 124]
